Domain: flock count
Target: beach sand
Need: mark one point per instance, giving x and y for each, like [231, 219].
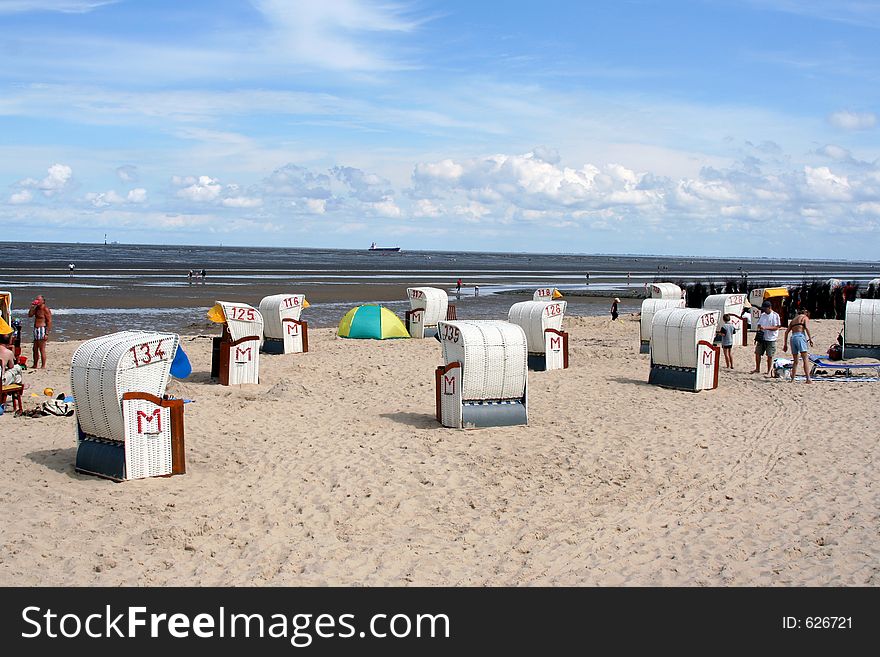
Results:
[334, 471]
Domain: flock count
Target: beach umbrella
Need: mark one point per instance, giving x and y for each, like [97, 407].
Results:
[6, 329]
[371, 321]
[180, 366]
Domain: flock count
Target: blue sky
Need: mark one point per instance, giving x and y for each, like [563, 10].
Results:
[706, 127]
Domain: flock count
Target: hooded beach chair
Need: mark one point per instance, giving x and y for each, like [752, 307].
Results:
[428, 306]
[542, 323]
[283, 332]
[546, 294]
[126, 429]
[861, 329]
[733, 305]
[683, 352]
[235, 357]
[665, 291]
[484, 382]
[649, 307]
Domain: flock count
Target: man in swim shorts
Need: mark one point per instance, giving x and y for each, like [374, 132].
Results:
[42, 325]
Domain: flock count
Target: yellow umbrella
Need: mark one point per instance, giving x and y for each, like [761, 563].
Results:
[5, 329]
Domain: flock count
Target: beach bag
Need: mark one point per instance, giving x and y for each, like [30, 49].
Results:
[759, 336]
[57, 407]
[12, 376]
[834, 352]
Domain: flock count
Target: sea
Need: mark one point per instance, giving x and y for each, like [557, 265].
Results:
[125, 286]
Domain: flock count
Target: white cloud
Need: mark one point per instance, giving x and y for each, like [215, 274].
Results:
[21, 197]
[846, 120]
[242, 202]
[57, 180]
[137, 195]
[386, 208]
[316, 205]
[203, 190]
[334, 34]
[426, 208]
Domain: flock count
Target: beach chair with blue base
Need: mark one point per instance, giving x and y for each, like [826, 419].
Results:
[542, 323]
[484, 382]
[683, 353]
[126, 427]
[283, 331]
[861, 329]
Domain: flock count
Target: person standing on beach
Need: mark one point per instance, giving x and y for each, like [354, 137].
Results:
[42, 326]
[458, 288]
[189, 277]
[727, 332]
[800, 336]
[765, 340]
[204, 274]
[614, 312]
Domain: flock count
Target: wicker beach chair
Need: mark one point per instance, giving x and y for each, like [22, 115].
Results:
[126, 429]
[665, 291]
[683, 353]
[428, 306]
[484, 382]
[542, 323]
[283, 332]
[649, 308]
[733, 305]
[861, 329]
[235, 357]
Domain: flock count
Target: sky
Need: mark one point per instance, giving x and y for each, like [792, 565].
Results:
[701, 127]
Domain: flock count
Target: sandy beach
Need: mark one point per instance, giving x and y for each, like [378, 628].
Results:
[333, 470]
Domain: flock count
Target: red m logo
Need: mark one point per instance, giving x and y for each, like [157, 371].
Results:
[292, 329]
[448, 385]
[555, 344]
[708, 358]
[148, 419]
[242, 354]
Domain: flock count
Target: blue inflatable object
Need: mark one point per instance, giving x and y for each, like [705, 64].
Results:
[180, 366]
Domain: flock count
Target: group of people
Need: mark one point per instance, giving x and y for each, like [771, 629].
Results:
[800, 340]
[458, 289]
[195, 275]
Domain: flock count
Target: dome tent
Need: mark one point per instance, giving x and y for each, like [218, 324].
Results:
[371, 321]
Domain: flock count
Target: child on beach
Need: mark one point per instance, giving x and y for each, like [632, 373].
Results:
[727, 331]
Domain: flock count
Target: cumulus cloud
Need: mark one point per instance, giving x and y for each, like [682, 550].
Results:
[846, 120]
[204, 189]
[364, 186]
[21, 197]
[56, 181]
[106, 199]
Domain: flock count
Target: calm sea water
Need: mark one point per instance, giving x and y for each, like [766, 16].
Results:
[118, 286]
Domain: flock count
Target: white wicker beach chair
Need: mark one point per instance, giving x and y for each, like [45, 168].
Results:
[236, 354]
[484, 381]
[665, 291]
[542, 323]
[545, 294]
[125, 428]
[683, 353]
[649, 307]
[733, 305]
[283, 332]
[428, 306]
[861, 329]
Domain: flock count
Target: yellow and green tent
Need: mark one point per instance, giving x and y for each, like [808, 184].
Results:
[371, 321]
